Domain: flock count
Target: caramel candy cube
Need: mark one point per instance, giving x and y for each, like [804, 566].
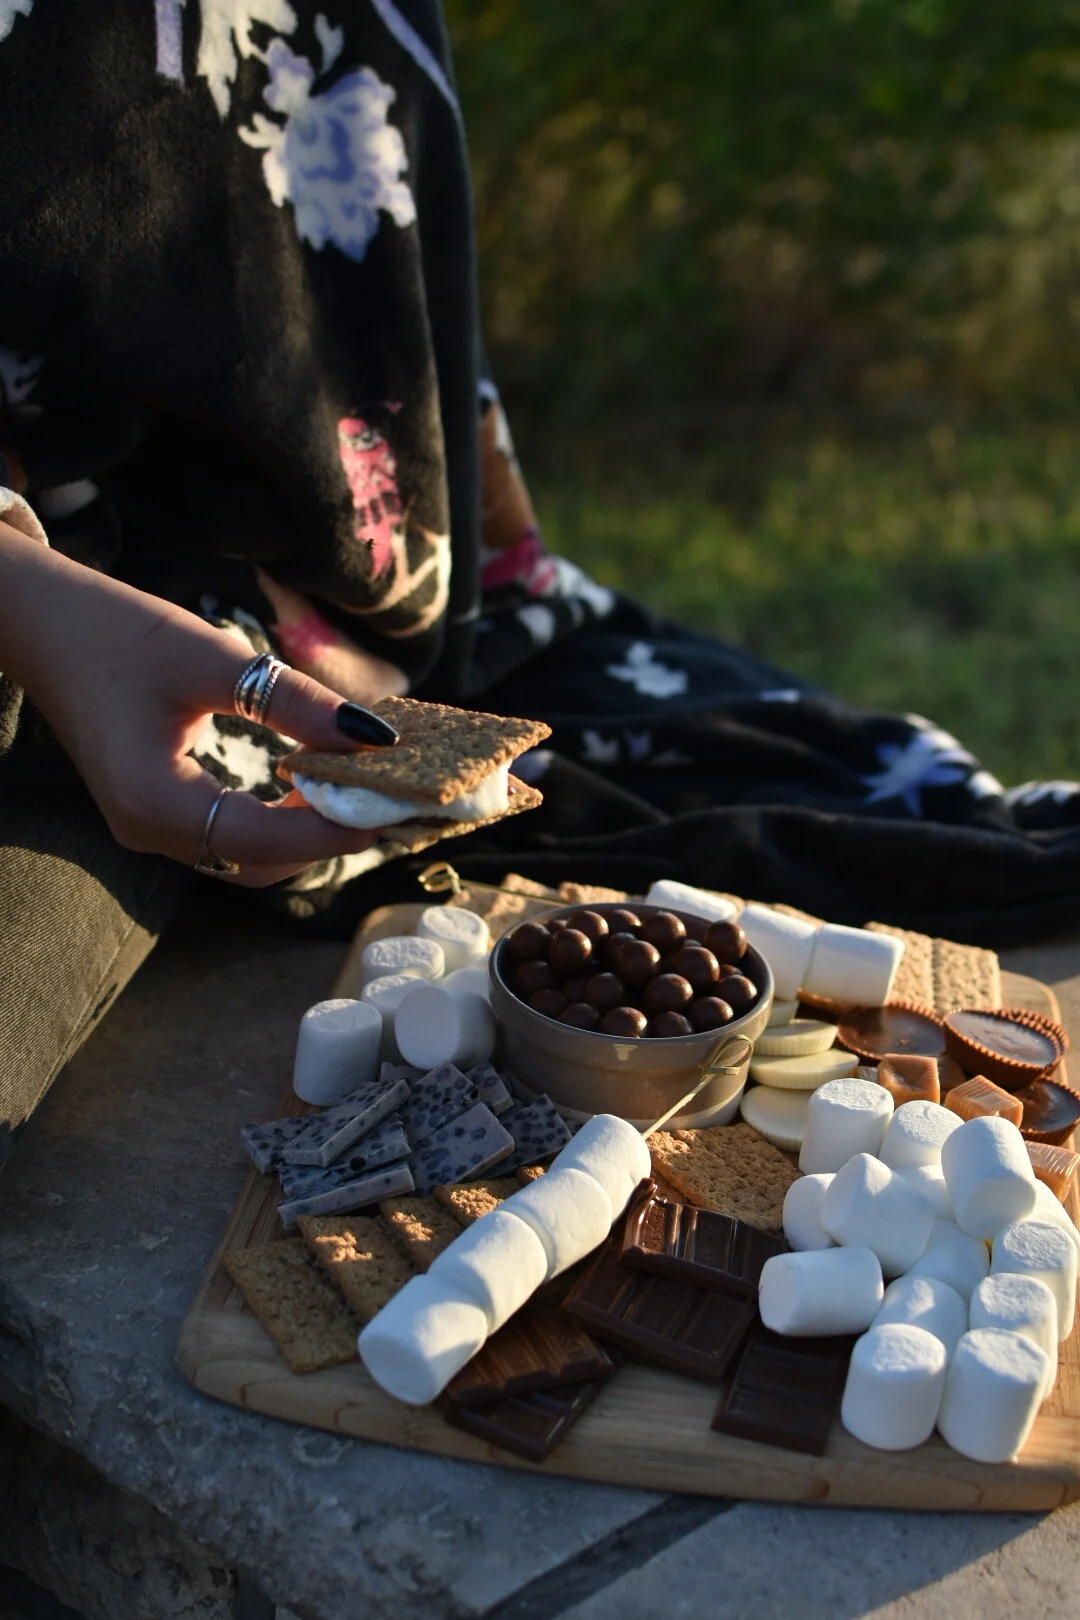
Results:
[950, 1074]
[1054, 1165]
[909, 1078]
[978, 1097]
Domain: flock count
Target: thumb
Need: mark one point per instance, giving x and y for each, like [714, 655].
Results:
[302, 707]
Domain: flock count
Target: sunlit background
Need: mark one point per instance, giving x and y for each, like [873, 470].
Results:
[784, 300]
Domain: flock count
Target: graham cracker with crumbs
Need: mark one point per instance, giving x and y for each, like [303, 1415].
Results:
[529, 1172]
[729, 1168]
[421, 1227]
[470, 1200]
[589, 894]
[360, 1257]
[442, 753]
[307, 1319]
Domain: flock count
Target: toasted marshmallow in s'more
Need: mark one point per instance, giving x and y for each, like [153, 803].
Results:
[448, 774]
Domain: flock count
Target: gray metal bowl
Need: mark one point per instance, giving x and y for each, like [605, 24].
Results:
[586, 1073]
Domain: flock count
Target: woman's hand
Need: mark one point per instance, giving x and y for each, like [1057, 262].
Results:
[128, 683]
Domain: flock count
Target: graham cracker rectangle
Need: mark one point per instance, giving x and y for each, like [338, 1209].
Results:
[914, 980]
[421, 1227]
[360, 1257]
[528, 886]
[442, 752]
[469, 1200]
[307, 1319]
[529, 1172]
[729, 1168]
[408, 837]
[588, 894]
[965, 976]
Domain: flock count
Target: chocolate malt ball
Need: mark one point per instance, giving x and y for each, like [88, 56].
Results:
[624, 1021]
[668, 992]
[726, 940]
[621, 921]
[531, 977]
[591, 924]
[550, 1002]
[696, 964]
[638, 962]
[667, 1024]
[709, 1012]
[604, 991]
[740, 994]
[610, 952]
[574, 988]
[556, 925]
[580, 1015]
[528, 940]
[569, 951]
[729, 970]
[664, 930]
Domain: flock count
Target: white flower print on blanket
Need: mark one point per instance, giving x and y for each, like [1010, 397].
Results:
[336, 158]
[9, 10]
[225, 36]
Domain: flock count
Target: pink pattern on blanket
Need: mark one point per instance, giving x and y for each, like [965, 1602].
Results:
[371, 470]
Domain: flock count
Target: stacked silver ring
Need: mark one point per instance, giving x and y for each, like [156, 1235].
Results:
[209, 864]
[255, 685]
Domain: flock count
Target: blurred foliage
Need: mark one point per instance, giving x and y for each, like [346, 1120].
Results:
[868, 203]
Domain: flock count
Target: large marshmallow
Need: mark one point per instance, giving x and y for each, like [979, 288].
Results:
[930, 1180]
[851, 965]
[845, 1117]
[613, 1152]
[469, 978]
[1018, 1303]
[786, 943]
[568, 1210]
[498, 1262]
[867, 1203]
[435, 1025]
[915, 1133]
[820, 1292]
[1038, 1249]
[463, 937]
[802, 1214]
[992, 1392]
[1049, 1208]
[402, 953]
[925, 1302]
[386, 994]
[337, 1050]
[953, 1257]
[895, 1382]
[697, 902]
[989, 1175]
[416, 1343]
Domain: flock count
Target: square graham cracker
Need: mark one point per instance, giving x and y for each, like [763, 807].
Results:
[730, 1168]
[469, 1200]
[421, 1227]
[360, 1257]
[307, 1319]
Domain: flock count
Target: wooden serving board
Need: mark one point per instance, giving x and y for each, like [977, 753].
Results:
[648, 1427]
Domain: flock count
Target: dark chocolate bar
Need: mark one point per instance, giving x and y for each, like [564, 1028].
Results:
[698, 1245]
[537, 1349]
[531, 1426]
[785, 1391]
[691, 1329]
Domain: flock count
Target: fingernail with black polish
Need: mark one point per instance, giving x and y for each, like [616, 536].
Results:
[360, 725]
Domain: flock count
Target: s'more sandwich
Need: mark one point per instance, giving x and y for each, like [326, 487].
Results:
[448, 774]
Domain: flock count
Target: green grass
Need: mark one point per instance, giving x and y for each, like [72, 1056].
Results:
[940, 575]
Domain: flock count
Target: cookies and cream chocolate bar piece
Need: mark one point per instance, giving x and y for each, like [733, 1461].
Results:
[386, 1144]
[463, 1148]
[330, 1135]
[492, 1088]
[435, 1100]
[265, 1145]
[366, 1189]
[538, 1129]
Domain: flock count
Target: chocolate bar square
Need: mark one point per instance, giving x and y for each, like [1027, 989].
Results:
[698, 1245]
[785, 1391]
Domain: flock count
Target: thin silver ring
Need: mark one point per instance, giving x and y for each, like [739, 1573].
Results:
[209, 864]
[255, 685]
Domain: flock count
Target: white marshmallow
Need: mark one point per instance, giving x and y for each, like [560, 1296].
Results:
[802, 1214]
[1049, 1208]
[416, 1343]
[867, 1203]
[568, 1210]
[779, 1116]
[613, 1152]
[698, 902]
[463, 937]
[895, 1382]
[1038, 1249]
[386, 994]
[337, 1050]
[820, 1292]
[402, 953]
[786, 943]
[915, 1133]
[474, 979]
[435, 1025]
[852, 965]
[930, 1181]
[497, 1262]
[992, 1392]
[925, 1302]
[1017, 1303]
[953, 1257]
[989, 1175]
[845, 1117]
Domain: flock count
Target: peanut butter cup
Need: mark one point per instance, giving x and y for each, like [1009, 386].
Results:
[899, 1027]
[1011, 1047]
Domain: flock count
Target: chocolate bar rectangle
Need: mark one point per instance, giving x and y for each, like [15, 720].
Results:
[785, 1391]
[537, 1349]
[690, 1329]
[697, 1245]
[530, 1426]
